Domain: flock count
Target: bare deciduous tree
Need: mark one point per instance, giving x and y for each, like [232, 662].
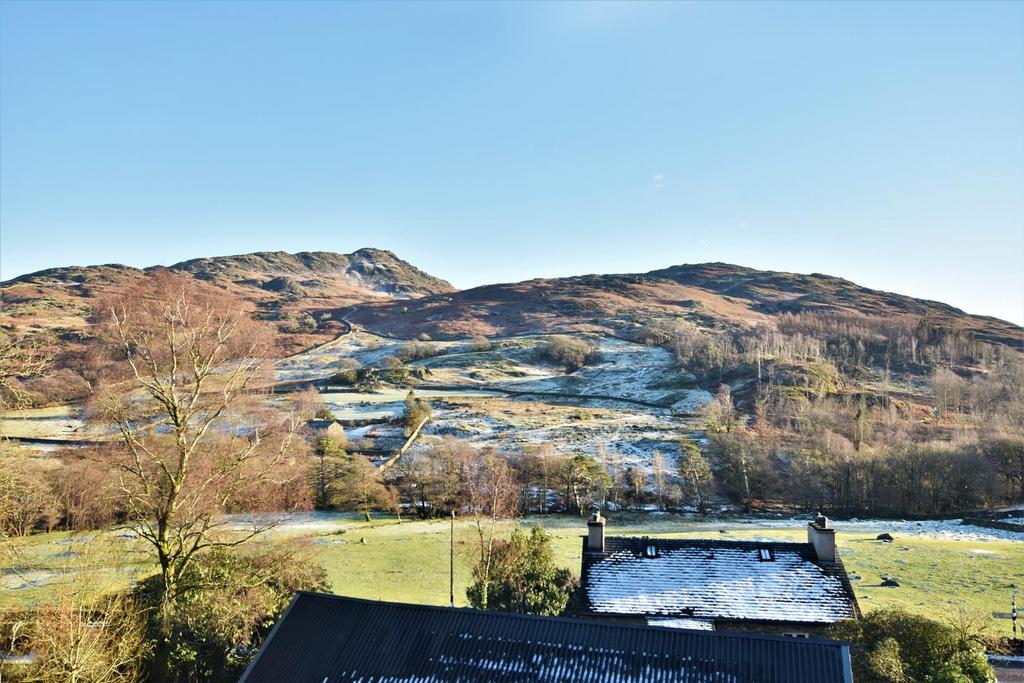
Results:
[189, 360]
[948, 389]
[492, 497]
[659, 474]
[20, 359]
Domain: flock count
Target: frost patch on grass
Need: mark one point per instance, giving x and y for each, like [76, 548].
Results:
[940, 529]
[18, 580]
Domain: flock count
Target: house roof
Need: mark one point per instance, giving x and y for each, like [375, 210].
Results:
[715, 580]
[332, 639]
[320, 425]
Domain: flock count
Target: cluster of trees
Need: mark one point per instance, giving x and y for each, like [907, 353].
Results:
[858, 339]
[839, 457]
[349, 481]
[751, 466]
[852, 458]
[748, 462]
[807, 435]
[853, 341]
[449, 475]
[446, 475]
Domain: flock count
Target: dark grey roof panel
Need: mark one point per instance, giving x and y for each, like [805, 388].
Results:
[331, 639]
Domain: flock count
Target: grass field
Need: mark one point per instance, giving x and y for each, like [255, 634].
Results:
[409, 561]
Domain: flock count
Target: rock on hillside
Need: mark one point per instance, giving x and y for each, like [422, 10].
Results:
[375, 270]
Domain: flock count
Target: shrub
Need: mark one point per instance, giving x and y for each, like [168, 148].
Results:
[226, 604]
[523, 577]
[348, 371]
[570, 352]
[77, 639]
[325, 414]
[368, 379]
[416, 411]
[480, 343]
[417, 350]
[894, 646]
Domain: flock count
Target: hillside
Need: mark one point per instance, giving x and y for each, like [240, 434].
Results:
[309, 294]
[286, 288]
[715, 295]
[802, 375]
[819, 332]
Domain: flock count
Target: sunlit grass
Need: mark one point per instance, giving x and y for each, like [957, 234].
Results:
[408, 562]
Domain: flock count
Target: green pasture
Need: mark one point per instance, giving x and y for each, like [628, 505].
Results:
[409, 561]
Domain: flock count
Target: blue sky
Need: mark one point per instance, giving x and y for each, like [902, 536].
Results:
[498, 142]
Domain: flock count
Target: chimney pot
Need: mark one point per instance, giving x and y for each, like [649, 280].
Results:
[595, 533]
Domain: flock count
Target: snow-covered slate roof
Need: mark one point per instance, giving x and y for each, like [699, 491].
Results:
[716, 580]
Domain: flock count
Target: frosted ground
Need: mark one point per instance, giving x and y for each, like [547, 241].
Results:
[631, 402]
[628, 404]
[665, 523]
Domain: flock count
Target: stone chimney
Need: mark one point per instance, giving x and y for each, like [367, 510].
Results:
[595, 533]
[822, 537]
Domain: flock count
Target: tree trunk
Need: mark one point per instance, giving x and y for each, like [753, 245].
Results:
[746, 483]
[161, 659]
[161, 664]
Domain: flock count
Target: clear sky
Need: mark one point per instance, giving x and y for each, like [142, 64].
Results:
[498, 142]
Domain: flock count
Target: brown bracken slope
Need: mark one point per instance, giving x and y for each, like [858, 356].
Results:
[711, 294]
[277, 286]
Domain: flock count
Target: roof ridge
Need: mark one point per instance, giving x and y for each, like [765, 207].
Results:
[602, 623]
[721, 541]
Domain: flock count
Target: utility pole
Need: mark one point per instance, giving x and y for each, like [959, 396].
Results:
[451, 567]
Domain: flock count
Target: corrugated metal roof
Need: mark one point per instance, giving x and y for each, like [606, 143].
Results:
[333, 639]
[716, 580]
